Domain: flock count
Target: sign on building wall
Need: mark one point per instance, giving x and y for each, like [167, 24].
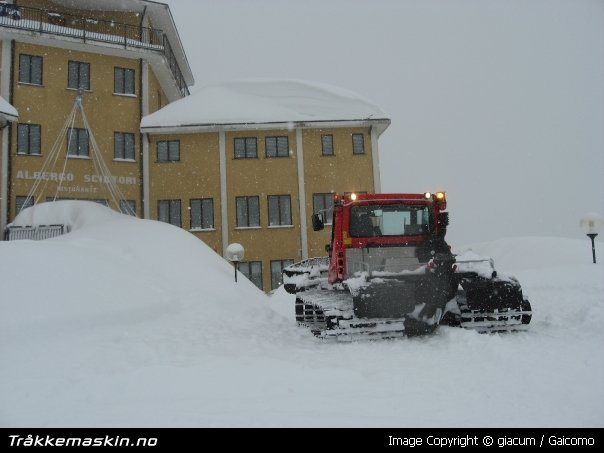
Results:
[72, 184]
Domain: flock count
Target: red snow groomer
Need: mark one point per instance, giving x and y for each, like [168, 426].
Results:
[390, 273]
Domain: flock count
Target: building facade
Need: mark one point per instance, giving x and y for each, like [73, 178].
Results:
[256, 159]
[252, 173]
[123, 57]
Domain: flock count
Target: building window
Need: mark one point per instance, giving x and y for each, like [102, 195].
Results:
[277, 271]
[279, 210]
[123, 146]
[78, 75]
[253, 271]
[123, 81]
[277, 146]
[202, 214]
[30, 69]
[168, 151]
[29, 139]
[128, 207]
[22, 203]
[327, 145]
[358, 144]
[159, 102]
[248, 212]
[169, 211]
[323, 205]
[245, 148]
[77, 142]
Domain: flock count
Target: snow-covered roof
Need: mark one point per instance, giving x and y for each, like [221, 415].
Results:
[7, 111]
[263, 101]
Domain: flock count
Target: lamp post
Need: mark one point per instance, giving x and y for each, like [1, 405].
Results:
[235, 253]
[592, 224]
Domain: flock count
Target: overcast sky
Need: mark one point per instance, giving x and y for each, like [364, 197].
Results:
[498, 102]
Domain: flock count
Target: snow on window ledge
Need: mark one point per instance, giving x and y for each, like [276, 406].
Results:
[126, 95]
[78, 157]
[249, 228]
[197, 230]
[118, 159]
[280, 226]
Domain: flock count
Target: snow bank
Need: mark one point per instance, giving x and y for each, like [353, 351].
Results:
[116, 295]
[127, 322]
[113, 264]
[76, 214]
[513, 254]
[264, 101]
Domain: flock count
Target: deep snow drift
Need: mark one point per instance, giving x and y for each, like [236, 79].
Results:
[128, 322]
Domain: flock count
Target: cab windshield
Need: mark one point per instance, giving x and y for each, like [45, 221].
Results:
[389, 220]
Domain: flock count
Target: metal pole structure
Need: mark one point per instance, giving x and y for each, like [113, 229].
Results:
[234, 253]
[592, 236]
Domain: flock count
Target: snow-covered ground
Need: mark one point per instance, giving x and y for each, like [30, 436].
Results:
[128, 322]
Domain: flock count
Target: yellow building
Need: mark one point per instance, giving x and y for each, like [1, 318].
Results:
[263, 155]
[245, 162]
[126, 59]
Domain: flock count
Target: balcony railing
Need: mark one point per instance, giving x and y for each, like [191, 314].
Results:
[92, 29]
[37, 233]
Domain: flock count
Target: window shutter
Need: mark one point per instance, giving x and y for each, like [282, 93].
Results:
[162, 151]
[118, 145]
[174, 150]
[242, 212]
[327, 144]
[282, 146]
[23, 139]
[358, 144]
[271, 146]
[129, 82]
[250, 145]
[286, 212]
[195, 214]
[83, 142]
[239, 148]
[35, 145]
[175, 212]
[254, 209]
[207, 211]
[36, 70]
[163, 209]
[72, 76]
[275, 274]
[72, 142]
[129, 146]
[119, 80]
[24, 67]
[84, 76]
[273, 210]
[256, 273]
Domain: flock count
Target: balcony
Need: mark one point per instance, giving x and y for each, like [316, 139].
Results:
[89, 29]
